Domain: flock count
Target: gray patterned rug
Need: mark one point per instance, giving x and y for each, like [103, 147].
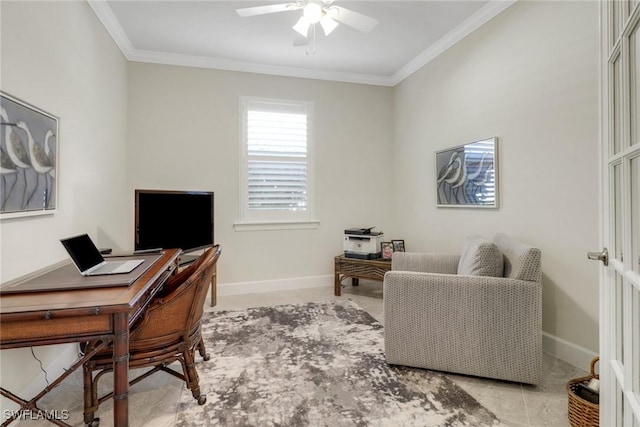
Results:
[316, 364]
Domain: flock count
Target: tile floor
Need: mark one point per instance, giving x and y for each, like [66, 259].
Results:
[153, 402]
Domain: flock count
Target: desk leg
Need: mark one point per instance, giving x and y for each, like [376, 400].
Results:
[121, 370]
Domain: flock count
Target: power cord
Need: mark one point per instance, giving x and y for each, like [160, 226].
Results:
[46, 378]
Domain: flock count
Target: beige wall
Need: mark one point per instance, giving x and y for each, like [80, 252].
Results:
[58, 57]
[530, 78]
[184, 134]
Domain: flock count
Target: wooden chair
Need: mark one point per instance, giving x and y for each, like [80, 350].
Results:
[168, 331]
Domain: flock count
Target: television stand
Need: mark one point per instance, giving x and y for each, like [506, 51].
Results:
[185, 260]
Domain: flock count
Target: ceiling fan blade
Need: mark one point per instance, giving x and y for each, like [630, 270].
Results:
[302, 26]
[353, 19]
[263, 10]
[328, 24]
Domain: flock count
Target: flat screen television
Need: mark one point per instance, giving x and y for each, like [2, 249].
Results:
[173, 219]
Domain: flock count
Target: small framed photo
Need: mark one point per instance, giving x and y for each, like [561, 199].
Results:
[398, 245]
[387, 250]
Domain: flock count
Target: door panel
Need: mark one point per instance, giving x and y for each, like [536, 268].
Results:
[635, 214]
[620, 281]
[634, 75]
[617, 214]
[636, 339]
[616, 102]
[619, 320]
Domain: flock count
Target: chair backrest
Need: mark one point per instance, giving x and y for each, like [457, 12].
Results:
[203, 275]
[521, 261]
[177, 311]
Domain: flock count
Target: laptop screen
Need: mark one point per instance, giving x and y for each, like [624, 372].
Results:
[82, 251]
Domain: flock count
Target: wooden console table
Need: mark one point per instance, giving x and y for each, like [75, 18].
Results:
[358, 269]
[67, 316]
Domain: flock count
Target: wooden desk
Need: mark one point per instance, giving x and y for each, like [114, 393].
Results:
[55, 317]
[373, 269]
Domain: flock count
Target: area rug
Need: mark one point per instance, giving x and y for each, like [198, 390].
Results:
[316, 364]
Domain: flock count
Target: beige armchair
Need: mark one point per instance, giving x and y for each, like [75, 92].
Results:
[448, 313]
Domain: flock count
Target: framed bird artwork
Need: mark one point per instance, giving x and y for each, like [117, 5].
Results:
[467, 175]
[28, 159]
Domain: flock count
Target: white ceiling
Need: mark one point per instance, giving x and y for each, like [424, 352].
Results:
[211, 34]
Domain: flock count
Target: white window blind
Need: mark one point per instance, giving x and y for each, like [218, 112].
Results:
[276, 172]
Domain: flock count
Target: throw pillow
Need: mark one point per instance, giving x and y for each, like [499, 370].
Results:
[480, 257]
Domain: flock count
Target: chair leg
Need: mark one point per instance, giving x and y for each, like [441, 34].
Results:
[202, 350]
[191, 375]
[90, 397]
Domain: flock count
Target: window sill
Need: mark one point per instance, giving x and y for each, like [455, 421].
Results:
[275, 225]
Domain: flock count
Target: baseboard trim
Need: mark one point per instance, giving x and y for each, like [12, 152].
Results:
[574, 354]
[263, 286]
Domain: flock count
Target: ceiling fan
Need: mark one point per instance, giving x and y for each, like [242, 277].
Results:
[316, 11]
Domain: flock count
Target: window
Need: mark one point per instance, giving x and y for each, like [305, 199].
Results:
[276, 167]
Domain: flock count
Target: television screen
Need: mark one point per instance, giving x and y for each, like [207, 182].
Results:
[173, 219]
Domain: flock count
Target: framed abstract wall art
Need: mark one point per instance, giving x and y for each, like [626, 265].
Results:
[467, 175]
[28, 159]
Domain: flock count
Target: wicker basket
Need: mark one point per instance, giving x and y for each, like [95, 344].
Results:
[583, 413]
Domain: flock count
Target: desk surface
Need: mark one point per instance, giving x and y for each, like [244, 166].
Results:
[82, 302]
[67, 277]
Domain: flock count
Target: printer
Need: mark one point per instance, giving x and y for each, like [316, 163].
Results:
[362, 243]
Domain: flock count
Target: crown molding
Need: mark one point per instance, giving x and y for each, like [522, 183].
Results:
[113, 27]
[475, 21]
[249, 67]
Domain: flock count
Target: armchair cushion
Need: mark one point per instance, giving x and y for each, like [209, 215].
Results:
[480, 257]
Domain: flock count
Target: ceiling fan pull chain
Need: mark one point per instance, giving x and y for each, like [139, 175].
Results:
[312, 51]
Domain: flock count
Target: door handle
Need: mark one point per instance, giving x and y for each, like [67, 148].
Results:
[600, 256]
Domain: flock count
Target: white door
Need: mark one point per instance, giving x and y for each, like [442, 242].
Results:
[620, 280]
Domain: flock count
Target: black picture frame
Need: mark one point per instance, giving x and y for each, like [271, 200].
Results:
[398, 245]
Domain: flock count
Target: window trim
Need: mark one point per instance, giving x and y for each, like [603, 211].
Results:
[283, 219]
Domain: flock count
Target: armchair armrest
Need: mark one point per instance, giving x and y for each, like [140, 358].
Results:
[425, 262]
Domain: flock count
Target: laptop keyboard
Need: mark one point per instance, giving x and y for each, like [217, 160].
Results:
[108, 268]
[116, 267]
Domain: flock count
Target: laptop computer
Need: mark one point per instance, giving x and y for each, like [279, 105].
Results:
[89, 261]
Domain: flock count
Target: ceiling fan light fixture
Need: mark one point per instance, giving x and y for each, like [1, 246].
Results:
[302, 26]
[328, 24]
[313, 12]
